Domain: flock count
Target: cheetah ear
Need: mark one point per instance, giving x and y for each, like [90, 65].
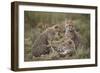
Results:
[67, 21]
[71, 21]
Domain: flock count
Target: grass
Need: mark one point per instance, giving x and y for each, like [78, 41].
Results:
[80, 53]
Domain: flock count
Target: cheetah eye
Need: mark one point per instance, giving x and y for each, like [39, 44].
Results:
[70, 42]
[56, 27]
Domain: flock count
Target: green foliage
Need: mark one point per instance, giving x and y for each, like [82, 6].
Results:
[37, 22]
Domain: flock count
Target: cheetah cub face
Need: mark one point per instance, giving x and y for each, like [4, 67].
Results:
[66, 48]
